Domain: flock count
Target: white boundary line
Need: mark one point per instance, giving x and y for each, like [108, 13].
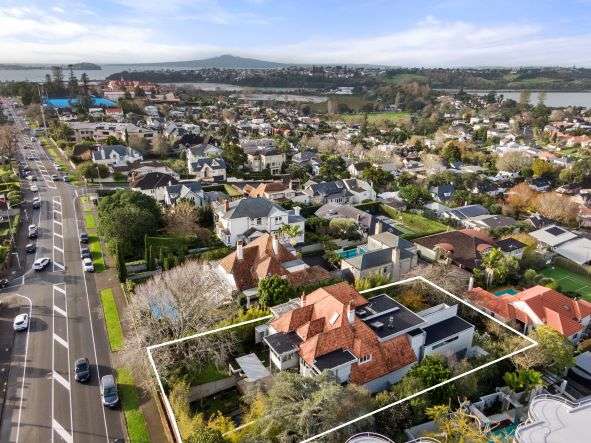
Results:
[20, 408]
[172, 418]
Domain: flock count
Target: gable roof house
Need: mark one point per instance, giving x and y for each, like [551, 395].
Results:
[248, 218]
[351, 190]
[331, 210]
[370, 342]
[209, 169]
[167, 190]
[262, 154]
[563, 242]
[265, 256]
[271, 190]
[385, 254]
[115, 155]
[535, 306]
[442, 193]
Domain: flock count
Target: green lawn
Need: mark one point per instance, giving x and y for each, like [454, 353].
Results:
[232, 191]
[130, 404]
[112, 322]
[570, 281]
[413, 225]
[89, 220]
[98, 259]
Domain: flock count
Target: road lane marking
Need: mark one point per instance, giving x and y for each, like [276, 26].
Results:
[60, 340]
[61, 431]
[61, 380]
[59, 265]
[58, 235]
[58, 248]
[58, 222]
[60, 311]
[20, 407]
[59, 289]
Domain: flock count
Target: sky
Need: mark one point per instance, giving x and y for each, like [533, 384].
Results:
[392, 32]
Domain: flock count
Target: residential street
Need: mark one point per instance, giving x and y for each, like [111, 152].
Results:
[43, 401]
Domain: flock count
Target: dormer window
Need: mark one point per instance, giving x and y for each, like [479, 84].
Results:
[364, 359]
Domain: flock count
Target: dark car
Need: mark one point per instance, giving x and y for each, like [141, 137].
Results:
[36, 203]
[3, 283]
[85, 252]
[83, 237]
[82, 370]
[30, 248]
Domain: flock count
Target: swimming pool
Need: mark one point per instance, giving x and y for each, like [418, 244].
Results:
[506, 291]
[69, 102]
[350, 253]
[505, 434]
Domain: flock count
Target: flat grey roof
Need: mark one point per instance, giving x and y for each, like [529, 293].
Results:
[445, 328]
[252, 367]
[334, 359]
[283, 342]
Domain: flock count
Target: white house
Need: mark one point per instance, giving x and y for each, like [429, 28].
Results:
[262, 154]
[248, 218]
[115, 155]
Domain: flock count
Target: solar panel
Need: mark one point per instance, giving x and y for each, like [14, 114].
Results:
[555, 231]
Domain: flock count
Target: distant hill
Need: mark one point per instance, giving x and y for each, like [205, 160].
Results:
[83, 66]
[225, 61]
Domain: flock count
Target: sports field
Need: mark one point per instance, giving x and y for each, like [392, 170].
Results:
[570, 281]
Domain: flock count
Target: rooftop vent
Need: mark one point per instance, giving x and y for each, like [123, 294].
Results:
[377, 324]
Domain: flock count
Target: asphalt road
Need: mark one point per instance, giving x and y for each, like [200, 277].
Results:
[43, 402]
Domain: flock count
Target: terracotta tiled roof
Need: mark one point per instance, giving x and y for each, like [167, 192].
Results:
[553, 308]
[259, 261]
[308, 276]
[324, 326]
[263, 188]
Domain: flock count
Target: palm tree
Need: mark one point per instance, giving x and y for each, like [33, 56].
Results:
[289, 232]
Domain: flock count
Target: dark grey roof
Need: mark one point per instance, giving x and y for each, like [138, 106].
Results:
[469, 211]
[371, 259]
[376, 305]
[510, 244]
[445, 328]
[213, 163]
[334, 359]
[442, 190]
[153, 180]
[283, 342]
[253, 208]
[498, 221]
[334, 188]
[392, 322]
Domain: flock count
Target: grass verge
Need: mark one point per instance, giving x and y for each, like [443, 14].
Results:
[112, 322]
[98, 258]
[137, 429]
[90, 221]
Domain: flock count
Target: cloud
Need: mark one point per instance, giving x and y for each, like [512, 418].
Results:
[31, 34]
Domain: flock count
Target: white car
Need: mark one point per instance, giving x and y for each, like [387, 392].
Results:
[21, 322]
[34, 188]
[87, 265]
[41, 263]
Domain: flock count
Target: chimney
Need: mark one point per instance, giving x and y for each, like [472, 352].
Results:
[302, 299]
[471, 283]
[396, 255]
[350, 314]
[296, 210]
[239, 250]
[226, 205]
[275, 243]
[379, 227]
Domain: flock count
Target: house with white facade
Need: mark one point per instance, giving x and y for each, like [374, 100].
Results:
[116, 155]
[249, 218]
[371, 342]
[263, 154]
[353, 191]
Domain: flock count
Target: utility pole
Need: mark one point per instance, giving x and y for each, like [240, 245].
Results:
[42, 110]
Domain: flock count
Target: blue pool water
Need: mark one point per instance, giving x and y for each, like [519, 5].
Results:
[505, 434]
[350, 253]
[509, 291]
[62, 103]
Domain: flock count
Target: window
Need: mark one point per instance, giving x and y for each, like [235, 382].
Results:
[443, 343]
[364, 359]
[258, 221]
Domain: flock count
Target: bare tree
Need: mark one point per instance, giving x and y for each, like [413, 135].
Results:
[513, 162]
[556, 206]
[181, 219]
[8, 143]
[161, 145]
[186, 300]
[446, 276]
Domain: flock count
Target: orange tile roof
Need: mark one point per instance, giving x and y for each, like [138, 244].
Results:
[323, 324]
[555, 309]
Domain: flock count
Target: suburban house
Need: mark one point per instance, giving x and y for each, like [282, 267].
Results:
[308, 159]
[166, 189]
[115, 155]
[273, 191]
[463, 248]
[330, 211]
[265, 256]
[189, 190]
[442, 193]
[511, 247]
[370, 342]
[563, 242]
[356, 169]
[202, 150]
[535, 306]
[351, 190]
[208, 169]
[100, 131]
[385, 254]
[248, 218]
[262, 154]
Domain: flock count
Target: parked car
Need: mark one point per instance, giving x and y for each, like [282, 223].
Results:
[21, 322]
[41, 263]
[66, 178]
[85, 252]
[33, 231]
[83, 237]
[3, 283]
[82, 370]
[108, 390]
[30, 248]
[36, 203]
[87, 265]
[34, 188]
[55, 177]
